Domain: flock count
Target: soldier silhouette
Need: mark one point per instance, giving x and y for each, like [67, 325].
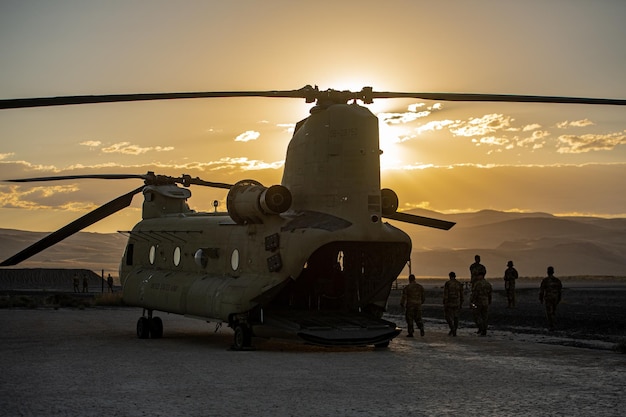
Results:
[412, 299]
[85, 283]
[481, 299]
[510, 275]
[550, 296]
[452, 302]
[476, 269]
[75, 281]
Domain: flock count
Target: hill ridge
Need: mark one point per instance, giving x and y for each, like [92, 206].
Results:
[576, 245]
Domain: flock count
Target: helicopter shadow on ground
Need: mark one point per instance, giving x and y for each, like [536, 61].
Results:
[183, 332]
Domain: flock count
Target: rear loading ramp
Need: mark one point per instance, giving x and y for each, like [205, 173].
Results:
[327, 328]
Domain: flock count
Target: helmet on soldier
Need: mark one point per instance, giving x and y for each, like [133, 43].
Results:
[452, 275]
[550, 270]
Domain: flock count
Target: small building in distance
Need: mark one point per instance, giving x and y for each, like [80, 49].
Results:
[53, 280]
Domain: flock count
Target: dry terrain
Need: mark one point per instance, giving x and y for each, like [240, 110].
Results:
[88, 362]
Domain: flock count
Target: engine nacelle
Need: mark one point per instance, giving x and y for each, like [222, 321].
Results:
[248, 201]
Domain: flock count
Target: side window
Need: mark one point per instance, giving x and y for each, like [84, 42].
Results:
[152, 254]
[177, 256]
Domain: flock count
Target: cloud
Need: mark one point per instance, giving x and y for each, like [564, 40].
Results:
[530, 127]
[287, 127]
[489, 123]
[590, 142]
[536, 140]
[91, 143]
[96, 166]
[14, 168]
[493, 130]
[6, 155]
[40, 198]
[412, 167]
[435, 125]
[410, 115]
[244, 164]
[491, 140]
[427, 127]
[247, 136]
[127, 148]
[582, 123]
[227, 166]
[575, 123]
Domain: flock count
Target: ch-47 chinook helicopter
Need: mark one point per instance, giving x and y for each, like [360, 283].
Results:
[310, 258]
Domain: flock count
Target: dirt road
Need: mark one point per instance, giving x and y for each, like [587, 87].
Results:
[71, 362]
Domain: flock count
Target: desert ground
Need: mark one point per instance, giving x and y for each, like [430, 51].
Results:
[88, 362]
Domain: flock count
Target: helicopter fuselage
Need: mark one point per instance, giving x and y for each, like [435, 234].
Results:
[314, 247]
[207, 266]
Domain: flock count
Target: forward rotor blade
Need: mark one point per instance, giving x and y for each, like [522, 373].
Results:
[150, 179]
[73, 177]
[90, 218]
[505, 98]
[421, 220]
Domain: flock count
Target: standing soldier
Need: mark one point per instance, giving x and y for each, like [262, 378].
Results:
[413, 297]
[75, 281]
[110, 283]
[550, 296]
[510, 275]
[85, 283]
[481, 298]
[476, 269]
[452, 302]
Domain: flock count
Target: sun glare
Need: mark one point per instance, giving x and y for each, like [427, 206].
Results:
[392, 156]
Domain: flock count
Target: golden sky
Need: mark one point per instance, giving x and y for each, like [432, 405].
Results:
[561, 159]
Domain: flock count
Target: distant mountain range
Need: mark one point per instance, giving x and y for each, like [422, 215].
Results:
[573, 245]
[533, 241]
[94, 251]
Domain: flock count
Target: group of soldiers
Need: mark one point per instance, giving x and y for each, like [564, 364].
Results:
[76, 282]
[413, 296]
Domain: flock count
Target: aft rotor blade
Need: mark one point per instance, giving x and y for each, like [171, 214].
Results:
[90, 218]
[117, 98]
[505, 98]
[307, 92]
[420, 220]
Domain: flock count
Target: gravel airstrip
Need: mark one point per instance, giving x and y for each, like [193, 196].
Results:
[73, 362]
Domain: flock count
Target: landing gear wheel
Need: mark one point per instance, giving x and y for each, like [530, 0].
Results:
[382, 345]
[156, 328]
[243, 337]
[143, 328]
